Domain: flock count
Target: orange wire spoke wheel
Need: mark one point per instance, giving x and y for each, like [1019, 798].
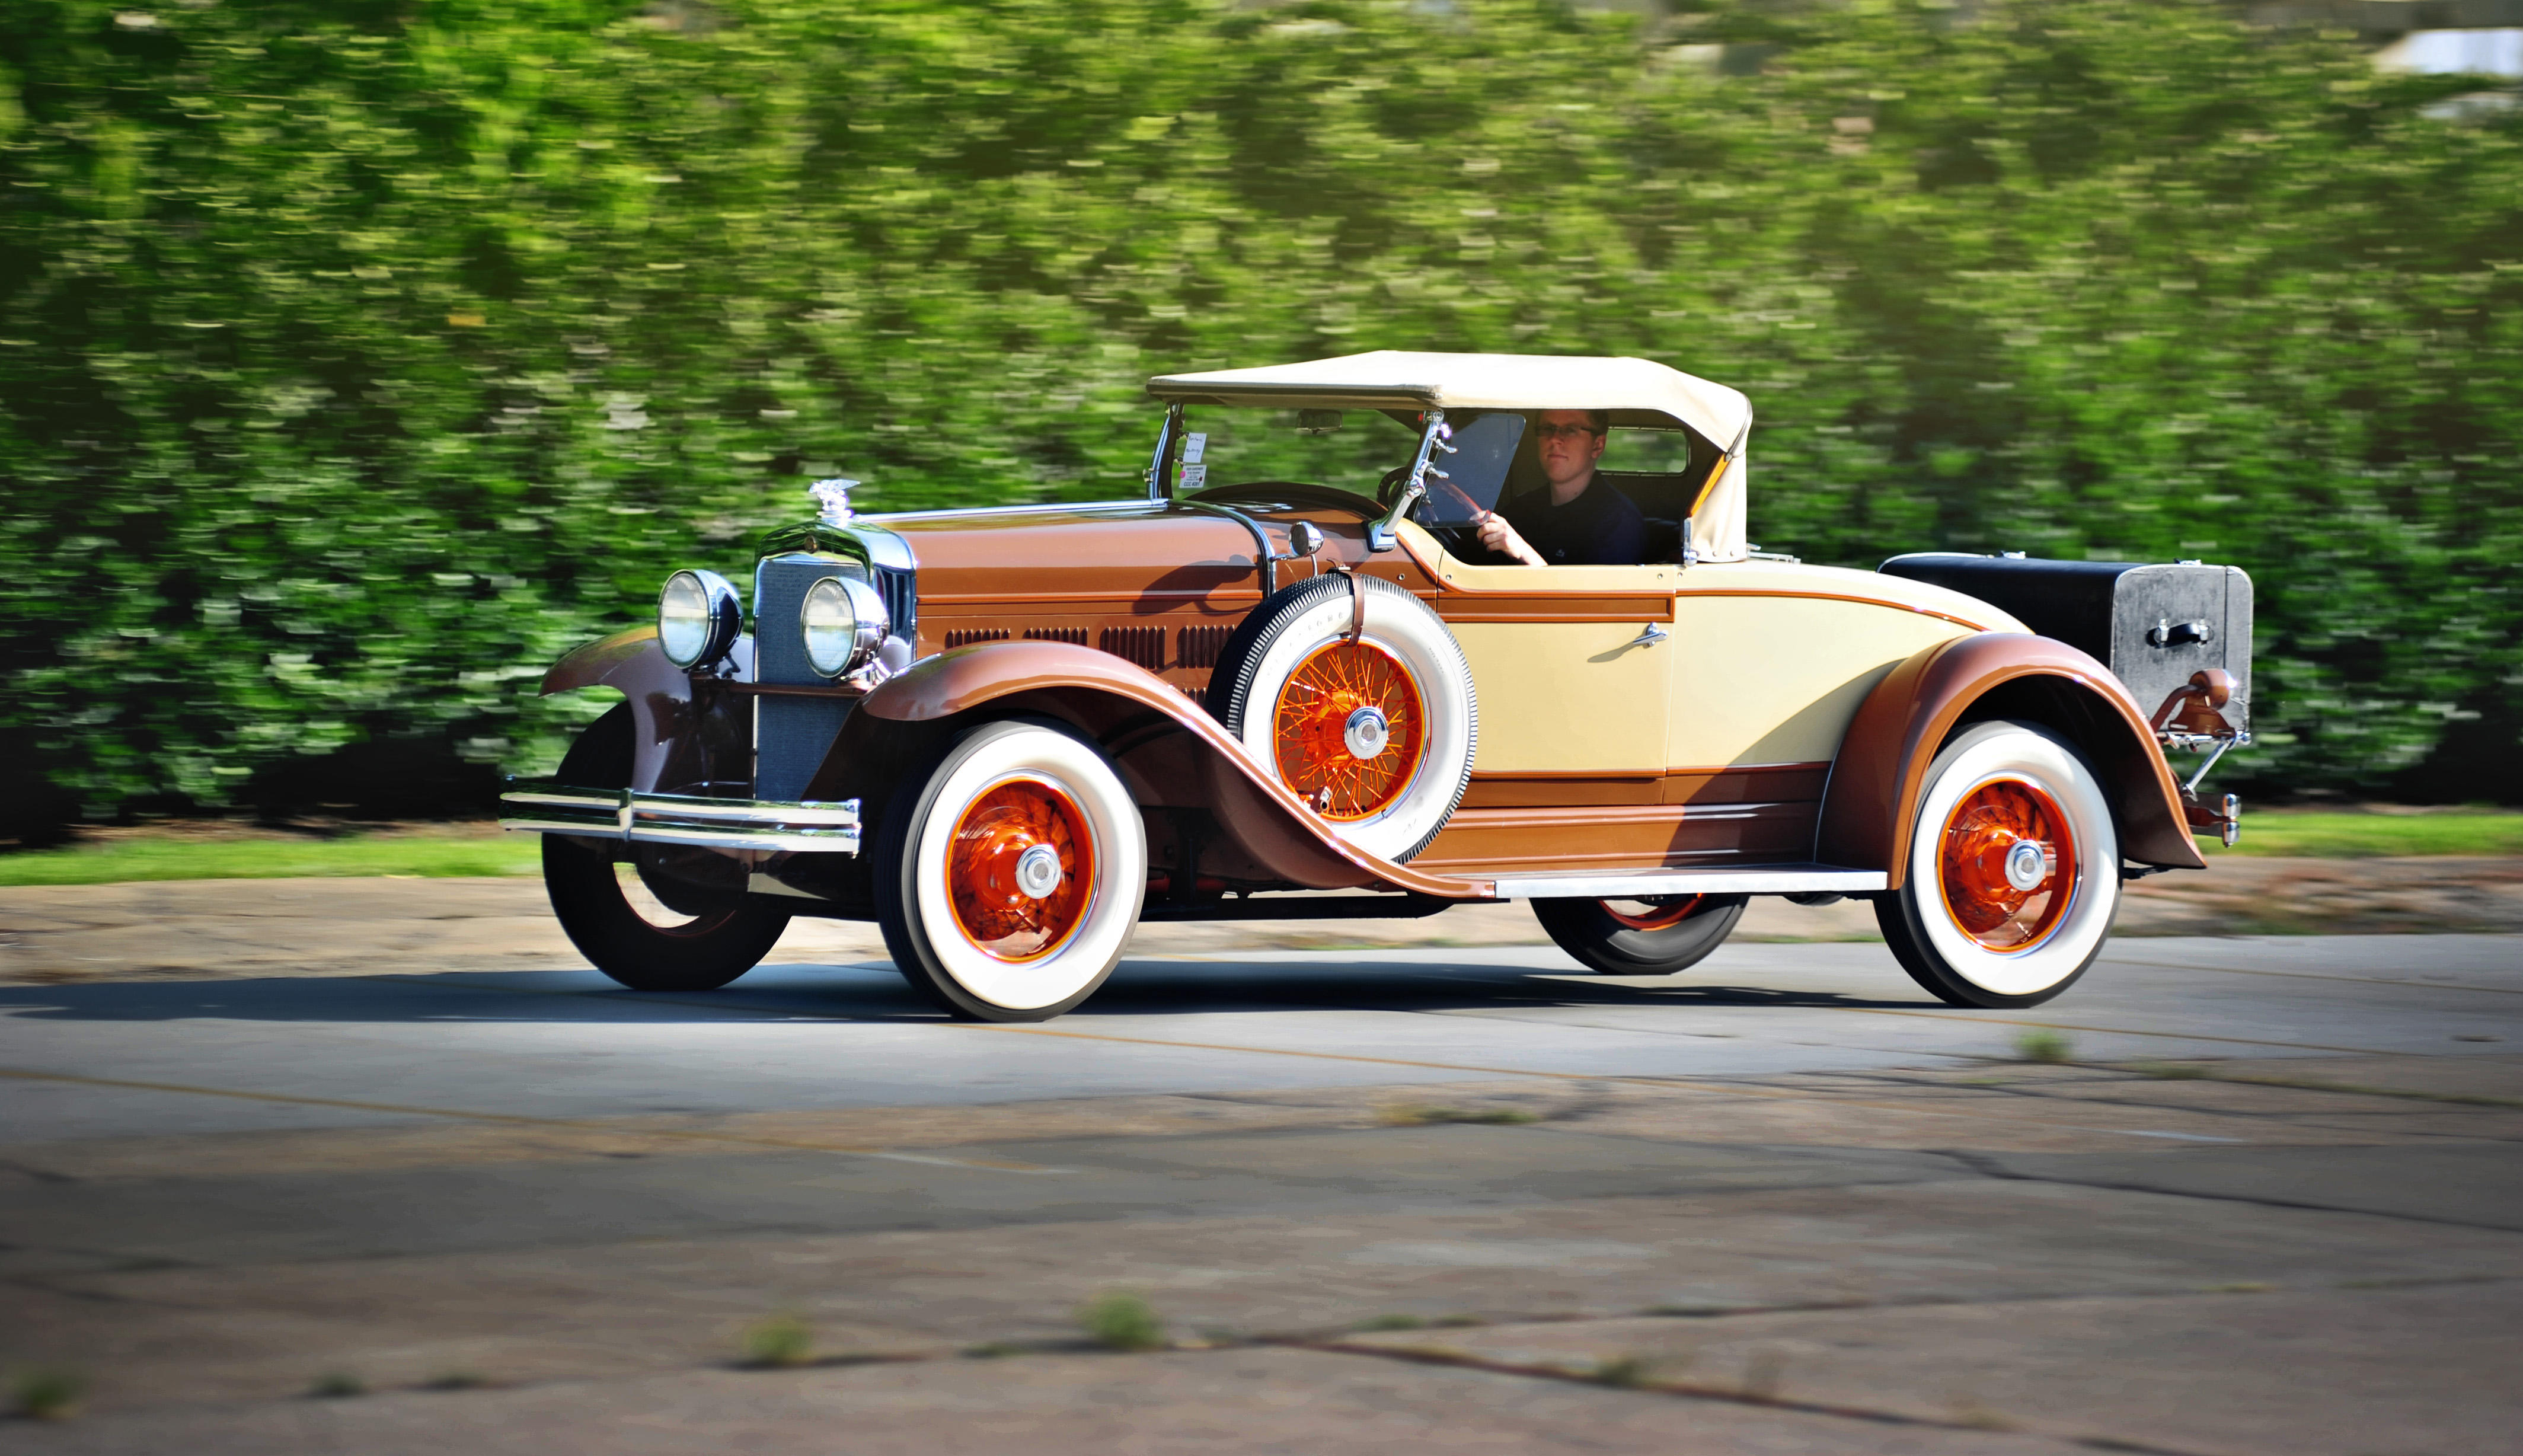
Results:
[1000, 869]
[1652, 915]
[1348, 730]
[2007, 867]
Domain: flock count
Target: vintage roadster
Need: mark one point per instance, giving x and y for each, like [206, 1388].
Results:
[1011, 735]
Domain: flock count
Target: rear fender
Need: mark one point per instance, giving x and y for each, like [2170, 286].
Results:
[1873, 800]
[671, 745]
[1105, 694]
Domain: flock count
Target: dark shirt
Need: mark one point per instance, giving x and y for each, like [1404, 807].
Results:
[1600, 528]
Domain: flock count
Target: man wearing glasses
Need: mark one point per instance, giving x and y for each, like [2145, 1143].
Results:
[1577, 522]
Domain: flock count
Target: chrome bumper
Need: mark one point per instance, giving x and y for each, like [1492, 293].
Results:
[543, 806]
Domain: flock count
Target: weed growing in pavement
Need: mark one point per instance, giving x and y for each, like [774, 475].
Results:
[1625, 1371]
[1391, 1322]
[778, 1342]
[2172, 1071]
[2041, 1044]
[47, 1392]
[1122, 1322]
[459, 1380]
[334, 1384]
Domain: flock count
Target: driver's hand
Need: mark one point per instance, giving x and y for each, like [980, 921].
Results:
[1500, 537]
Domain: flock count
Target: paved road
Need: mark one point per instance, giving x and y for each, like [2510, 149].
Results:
[1764, 1196]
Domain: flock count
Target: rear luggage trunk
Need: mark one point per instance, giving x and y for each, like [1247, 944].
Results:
[2153, 626]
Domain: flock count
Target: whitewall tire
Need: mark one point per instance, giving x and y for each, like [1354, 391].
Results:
[1009, 879]
[1374, 730]
[2013, 875]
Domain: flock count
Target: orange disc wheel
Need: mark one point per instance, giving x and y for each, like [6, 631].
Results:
[1008, 901]
[1348, 730]
[1653, 914]
[2007, 867]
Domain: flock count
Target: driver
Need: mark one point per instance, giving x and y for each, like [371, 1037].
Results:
[1578, 522]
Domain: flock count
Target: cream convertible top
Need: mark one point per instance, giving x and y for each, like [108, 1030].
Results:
[1636, 392]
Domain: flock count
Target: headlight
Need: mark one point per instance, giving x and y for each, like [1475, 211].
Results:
[697, 618]
[845, 622]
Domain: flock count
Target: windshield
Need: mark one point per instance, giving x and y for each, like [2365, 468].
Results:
[1362, 451]
[1348, 448]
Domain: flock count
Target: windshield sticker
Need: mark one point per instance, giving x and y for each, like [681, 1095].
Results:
[1193, 477]
[1194, 446]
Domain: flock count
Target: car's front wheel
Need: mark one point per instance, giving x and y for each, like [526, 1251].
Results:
[2013, 876]
[618, 920]
[1640, 937]
[1009, 879]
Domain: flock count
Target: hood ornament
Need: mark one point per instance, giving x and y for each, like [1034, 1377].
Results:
[833, 499]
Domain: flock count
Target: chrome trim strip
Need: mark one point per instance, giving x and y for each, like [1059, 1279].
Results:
[1039, 508]
[1766, 879]
[679, 818]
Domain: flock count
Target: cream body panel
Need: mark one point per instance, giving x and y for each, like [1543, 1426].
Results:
[1568, 696]
[1773, 659]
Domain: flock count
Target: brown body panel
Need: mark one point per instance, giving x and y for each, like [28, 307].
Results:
[1268, 821]
[1882, 766]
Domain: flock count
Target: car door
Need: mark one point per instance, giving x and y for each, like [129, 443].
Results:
[1573, 666]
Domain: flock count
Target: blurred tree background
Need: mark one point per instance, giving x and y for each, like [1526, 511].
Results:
[357, 357]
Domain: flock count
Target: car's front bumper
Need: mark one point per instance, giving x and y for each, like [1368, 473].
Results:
[544, 806]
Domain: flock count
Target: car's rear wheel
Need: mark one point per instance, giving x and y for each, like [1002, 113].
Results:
[2013, 875]
[1640, 937]
[624, 924]
[1374, 729]
[1010, 876]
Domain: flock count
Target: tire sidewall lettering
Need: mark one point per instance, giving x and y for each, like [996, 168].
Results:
[1399, 625]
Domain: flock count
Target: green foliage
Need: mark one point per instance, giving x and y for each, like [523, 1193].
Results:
[46, 1392]
[1122, 1321]
[780, 1342]
[2042, 1044]
[355, 360]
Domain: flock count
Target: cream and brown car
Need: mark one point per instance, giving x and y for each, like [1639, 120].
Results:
[1011, 735]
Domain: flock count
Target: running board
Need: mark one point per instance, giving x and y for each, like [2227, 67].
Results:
[1639, 884]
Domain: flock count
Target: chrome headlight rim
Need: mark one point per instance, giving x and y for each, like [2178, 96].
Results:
[698, 619]
[842, 624]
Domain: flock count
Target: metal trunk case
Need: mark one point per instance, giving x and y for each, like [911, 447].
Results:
[2153, 626]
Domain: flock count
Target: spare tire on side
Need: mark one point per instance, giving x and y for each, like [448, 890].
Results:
[1374, 729]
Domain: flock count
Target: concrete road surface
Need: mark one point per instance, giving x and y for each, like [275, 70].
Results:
[1429, 1198]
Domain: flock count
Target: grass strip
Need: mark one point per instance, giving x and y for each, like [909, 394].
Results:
[2359, 837]
[423, 854]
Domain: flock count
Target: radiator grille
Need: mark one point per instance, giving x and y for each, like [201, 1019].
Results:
[1143, 645]
[793, 734]
[966, 636]
[1071, 634]
[1199, 646]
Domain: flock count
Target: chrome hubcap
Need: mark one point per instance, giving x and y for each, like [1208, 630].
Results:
[1038, 872]
[1366, 732]
[2027, 866]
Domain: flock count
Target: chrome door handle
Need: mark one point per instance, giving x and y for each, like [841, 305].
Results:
[1648, 636]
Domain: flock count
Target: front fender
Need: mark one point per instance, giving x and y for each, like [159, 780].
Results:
[1251, 805]
[670, 744]
[1868, 809]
